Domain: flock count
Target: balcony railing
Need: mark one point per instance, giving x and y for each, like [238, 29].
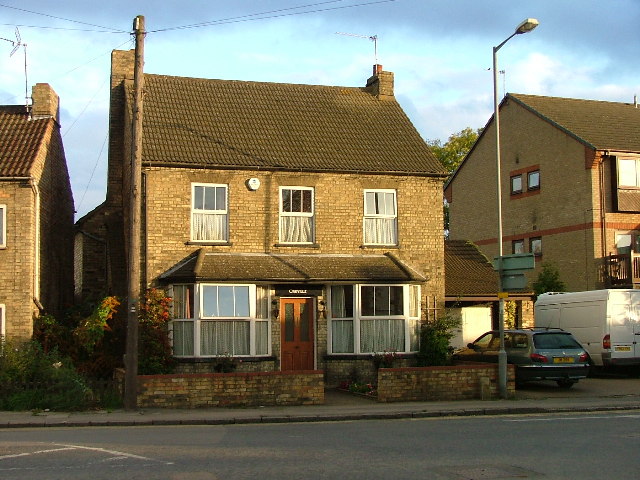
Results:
[623, 270]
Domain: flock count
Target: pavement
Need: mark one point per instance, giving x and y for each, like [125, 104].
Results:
[589, 395]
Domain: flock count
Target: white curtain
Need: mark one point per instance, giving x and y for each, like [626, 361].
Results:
[380, 231]
[262, 302]
[294, 229]
[378, 335]
[182, 338]
[209, 226]
[338, 303]
[342, 336]
[414, 335]
[262, 338]
[224, 337]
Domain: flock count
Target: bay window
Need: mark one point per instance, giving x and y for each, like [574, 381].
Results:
[229, 320]
[374, 318]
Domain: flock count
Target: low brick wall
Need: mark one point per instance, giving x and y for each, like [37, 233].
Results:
[460, 382]
[231, 389]
[360, 369]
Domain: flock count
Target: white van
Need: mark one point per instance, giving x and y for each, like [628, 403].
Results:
[606, 322]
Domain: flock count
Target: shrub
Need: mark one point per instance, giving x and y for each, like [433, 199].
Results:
[34, 379]
[435, 338]
[154, 355]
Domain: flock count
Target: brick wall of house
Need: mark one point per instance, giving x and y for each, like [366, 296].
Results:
[616, 222]
[17, 260]
[253, 223]
[253, 218]
[460, 382]
[563, 220]
[231, 389]
[56, 227]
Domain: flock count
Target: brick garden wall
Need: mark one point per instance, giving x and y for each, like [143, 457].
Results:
[460, 382]
[231, 389]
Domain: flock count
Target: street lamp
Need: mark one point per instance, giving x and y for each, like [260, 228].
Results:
[526, 26]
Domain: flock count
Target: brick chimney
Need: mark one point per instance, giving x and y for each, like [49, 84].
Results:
[380, 84]
[45, 102]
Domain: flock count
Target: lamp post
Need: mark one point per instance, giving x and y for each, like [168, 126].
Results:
[526, 26]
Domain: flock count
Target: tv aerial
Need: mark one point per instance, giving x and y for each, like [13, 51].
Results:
[17, 43]
[373, 38]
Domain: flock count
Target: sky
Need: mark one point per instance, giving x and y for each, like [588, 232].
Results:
[439, 50]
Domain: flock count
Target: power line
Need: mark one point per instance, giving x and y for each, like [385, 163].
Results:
[60, 18]
[268, 14]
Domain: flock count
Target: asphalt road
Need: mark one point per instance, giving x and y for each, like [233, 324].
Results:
[549, 447]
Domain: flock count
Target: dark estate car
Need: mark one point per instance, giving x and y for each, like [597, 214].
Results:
[538, 354]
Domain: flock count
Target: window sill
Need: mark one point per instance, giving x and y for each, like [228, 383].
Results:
[395, 247]
[298, 245]
[245, 359]
[211, 244]
[364, 356]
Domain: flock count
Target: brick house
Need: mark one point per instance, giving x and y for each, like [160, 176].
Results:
[295, 226]
[570, 188]
[36, 215]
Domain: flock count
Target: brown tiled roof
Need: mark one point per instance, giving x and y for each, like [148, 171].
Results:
[20, 140]
[601, 125]
[467, 271]
[249, 267]
[225, 123]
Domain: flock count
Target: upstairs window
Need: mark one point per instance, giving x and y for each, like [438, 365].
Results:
[535, 246]
[533, 180]
[296, 215]
[209, 214]
[516, 184]
[525, 181]
[628, 172]
[380, 217]
[3, 226]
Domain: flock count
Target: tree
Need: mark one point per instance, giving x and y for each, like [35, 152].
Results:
[451, 155]
[548, 280]
[455, 149]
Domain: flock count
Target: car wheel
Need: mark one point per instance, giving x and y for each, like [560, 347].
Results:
[565, 383]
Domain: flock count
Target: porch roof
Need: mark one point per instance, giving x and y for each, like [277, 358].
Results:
[303, 268]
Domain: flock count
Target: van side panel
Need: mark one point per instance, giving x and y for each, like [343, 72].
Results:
[592, 315]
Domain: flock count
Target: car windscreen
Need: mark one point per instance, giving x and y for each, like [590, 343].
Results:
[553, 340]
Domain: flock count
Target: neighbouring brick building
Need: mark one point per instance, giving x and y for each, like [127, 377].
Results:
[296, 227]
[36, 215]
[570, 188]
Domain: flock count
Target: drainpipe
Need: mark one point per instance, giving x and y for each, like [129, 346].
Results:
[603, 213]
[36, 249]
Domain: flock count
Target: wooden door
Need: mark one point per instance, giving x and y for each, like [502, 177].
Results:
[296, 326]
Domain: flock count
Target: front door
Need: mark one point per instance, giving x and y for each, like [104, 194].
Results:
[296, 323]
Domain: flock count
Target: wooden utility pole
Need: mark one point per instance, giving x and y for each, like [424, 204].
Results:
[131, 358]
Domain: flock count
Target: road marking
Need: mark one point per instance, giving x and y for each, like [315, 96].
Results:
[35, 453]
[555, 419]
[104, 450]
[116, 455]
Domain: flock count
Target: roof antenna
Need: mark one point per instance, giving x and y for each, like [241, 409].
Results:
[373, 38]
[16, 45]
